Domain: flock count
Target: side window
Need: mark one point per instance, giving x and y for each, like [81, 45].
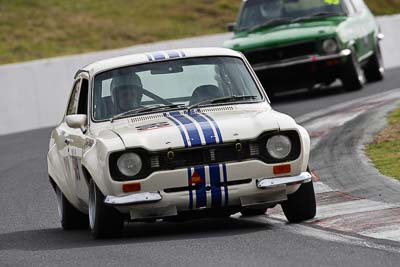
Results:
[73, 101]
[83, 97]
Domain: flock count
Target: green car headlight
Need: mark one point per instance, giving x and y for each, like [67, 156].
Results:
[129, 164]
[279, 146]
[330, 46]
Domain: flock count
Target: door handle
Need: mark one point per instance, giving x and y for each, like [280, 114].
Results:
[68, 141]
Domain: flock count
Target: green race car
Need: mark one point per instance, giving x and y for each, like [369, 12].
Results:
[293, 44]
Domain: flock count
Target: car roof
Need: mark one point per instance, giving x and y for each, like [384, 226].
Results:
[156, 56]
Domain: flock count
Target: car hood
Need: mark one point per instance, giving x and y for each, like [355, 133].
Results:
[284, 34]
[207, 126]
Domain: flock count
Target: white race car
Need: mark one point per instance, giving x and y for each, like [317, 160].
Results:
[175, 135]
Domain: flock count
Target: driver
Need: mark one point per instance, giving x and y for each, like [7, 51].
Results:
[271, 9]
[127, 92]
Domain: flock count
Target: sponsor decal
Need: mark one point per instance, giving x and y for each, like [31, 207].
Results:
[153, 126]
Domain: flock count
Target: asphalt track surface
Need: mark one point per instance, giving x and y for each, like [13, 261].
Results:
[30, 234]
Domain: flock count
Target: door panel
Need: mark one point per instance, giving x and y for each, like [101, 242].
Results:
[76, 142]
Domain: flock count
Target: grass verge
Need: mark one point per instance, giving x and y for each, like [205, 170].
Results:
[385, 149]
[33, 29]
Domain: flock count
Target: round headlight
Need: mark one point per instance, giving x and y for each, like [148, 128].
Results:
[129, 164]
[279, 146]
[330, 46]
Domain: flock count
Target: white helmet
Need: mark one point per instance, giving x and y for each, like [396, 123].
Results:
[126, 82]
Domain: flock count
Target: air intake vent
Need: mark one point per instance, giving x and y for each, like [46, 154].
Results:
[212, 155]
[155, 162]
[254, 150]
[145, 118]
[229, 108]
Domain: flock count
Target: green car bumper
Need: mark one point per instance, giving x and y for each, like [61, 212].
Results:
[303, 72]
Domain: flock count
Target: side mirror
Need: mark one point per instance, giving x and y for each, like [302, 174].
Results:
[231, 26]
[77, 121]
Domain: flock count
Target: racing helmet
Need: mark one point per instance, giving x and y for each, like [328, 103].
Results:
[126, 91]
[271, 8]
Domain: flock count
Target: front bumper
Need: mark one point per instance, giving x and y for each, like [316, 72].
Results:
[301, 60]
[304, 177]
[264, 192]
[303, 72]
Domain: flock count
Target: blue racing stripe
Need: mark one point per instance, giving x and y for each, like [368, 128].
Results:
[215, 125]
[201, 193]
[194, 135]
[158, 56]
[215, 179]
[225, 184]
[149, 57]
[208, 132]
[173, 54]
[190, 188]
[180, 129]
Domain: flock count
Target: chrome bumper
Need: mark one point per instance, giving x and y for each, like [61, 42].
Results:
[304, 177]
[133, 199]
[301, 60]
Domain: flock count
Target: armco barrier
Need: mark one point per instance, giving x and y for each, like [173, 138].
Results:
[34, 94]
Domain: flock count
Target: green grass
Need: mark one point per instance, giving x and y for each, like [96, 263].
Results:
[385, 150]
[32, 29]
[384, 7]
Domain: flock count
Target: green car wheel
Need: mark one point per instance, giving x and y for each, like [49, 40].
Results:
[353, 78]
[375, 70]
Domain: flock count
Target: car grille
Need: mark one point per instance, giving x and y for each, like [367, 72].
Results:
[281, 53]
[240, 150]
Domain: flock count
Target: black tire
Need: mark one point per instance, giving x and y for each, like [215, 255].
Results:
[374, 71]
[70, 217]
[104, 221]
[253, 212]
[353, 77]
[301, 205]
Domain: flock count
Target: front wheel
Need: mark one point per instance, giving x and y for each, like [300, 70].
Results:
[374, 71]
[70, 217]
[353, 78]
[301, 205]
[104, 221]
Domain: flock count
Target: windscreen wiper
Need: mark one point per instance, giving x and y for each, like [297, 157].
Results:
[233, 98]
[318, 15]
[144, 109]
[269, 23]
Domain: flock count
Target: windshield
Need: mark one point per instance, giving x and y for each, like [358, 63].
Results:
[259, 12]
[183, 83]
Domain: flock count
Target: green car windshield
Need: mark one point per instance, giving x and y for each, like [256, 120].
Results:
[256, 13]
[176, 84]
